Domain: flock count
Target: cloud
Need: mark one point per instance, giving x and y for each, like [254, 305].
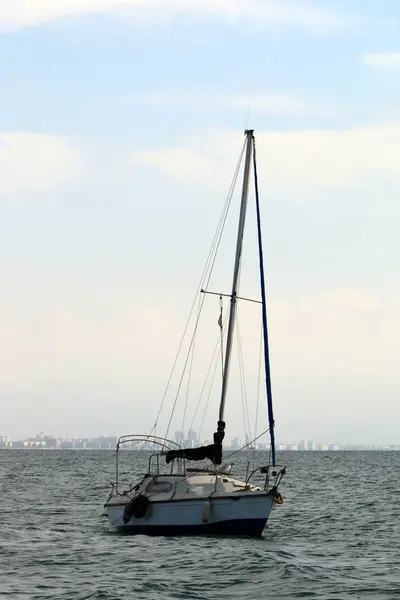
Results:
[291, 160]
[33, 161]
[387, 61]
[48, 342]
[20, 14]
[311, 334]
[330, 334]
[177, 162]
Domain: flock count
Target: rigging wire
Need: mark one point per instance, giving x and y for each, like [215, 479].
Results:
[188, 386]
[258, 392]
[221, 326]
[205, 382]
[206, 275]
[207, 402]
[245, 407]
[211, 385]
[182, 376]
[246, 445]
[218, 233]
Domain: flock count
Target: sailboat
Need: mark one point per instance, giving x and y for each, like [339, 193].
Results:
[172, 498]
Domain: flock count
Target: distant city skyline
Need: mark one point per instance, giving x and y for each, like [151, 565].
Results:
[41, 441]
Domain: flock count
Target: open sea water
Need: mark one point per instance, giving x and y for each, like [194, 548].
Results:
[337, 535]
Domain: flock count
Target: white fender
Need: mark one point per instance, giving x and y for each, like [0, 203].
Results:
[206, 511]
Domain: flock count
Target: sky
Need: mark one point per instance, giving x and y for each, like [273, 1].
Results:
[121, 123]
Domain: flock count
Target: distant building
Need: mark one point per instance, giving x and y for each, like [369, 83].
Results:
[4, 441]
[191, 439]
[50, 441]
[178, 437]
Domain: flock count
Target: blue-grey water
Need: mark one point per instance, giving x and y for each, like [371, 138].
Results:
[337, 535]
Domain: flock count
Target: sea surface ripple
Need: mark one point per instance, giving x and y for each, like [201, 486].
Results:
[336, 537]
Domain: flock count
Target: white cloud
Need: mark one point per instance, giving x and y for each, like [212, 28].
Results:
[49, 343]
[33, 161]
[291, 160]
[27, 13]
[342, 331]
[387, 61]
[178, 162]
[328, 334]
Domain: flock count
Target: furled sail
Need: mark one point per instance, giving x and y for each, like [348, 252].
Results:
[213, 451]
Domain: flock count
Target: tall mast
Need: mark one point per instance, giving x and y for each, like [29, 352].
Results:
[264, 314]
[236, 272]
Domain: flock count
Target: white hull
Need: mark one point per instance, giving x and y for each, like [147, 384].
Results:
[244, 513]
